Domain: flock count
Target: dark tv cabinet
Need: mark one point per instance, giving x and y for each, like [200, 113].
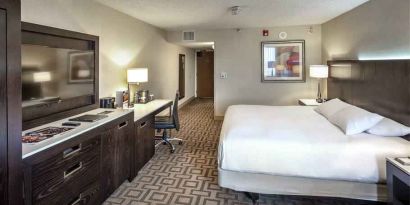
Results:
[10, 103]
[85, 169]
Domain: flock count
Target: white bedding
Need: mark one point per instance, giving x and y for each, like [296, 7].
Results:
[297, 141]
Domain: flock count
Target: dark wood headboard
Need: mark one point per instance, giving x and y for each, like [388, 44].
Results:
[381, 86]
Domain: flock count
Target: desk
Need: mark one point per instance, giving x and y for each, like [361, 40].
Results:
[144, 133]
[152, 108]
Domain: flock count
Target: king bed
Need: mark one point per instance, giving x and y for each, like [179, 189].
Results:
[295, 150]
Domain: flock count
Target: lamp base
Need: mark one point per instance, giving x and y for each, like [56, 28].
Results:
[319, 94]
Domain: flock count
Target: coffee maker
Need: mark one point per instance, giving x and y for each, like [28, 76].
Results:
[142, 96]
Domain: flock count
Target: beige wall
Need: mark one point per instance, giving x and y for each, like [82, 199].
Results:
[124, 42]
[378, 29]
[239, 54]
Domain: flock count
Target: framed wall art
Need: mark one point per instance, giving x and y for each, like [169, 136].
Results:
[283, 61]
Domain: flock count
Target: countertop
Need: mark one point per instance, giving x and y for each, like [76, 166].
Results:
[140, 111]
[143, 110]
[30, 149]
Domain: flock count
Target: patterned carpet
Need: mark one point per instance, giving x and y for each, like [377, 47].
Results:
[189, 176]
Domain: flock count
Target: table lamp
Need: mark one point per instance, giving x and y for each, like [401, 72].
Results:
[320, 72]
[136, 76]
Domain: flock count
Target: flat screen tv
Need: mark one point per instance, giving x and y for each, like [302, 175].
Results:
[59, 73]
[55, 74]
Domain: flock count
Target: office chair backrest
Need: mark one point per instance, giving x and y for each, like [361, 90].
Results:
[175, 117]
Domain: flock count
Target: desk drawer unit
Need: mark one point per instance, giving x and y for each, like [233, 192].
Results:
[69, 177]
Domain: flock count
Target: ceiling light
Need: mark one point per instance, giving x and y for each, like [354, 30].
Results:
[235, 10]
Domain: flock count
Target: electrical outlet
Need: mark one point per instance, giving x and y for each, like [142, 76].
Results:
[223, 75]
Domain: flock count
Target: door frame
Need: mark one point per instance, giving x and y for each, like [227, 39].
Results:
[181, 82]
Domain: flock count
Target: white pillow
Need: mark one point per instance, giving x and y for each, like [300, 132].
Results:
[353, 120]
[389, 128]
[330, 107]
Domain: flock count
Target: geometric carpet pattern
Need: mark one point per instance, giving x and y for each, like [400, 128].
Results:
[189, 176]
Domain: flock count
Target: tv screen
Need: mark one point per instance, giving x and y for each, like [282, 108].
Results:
[54, 75]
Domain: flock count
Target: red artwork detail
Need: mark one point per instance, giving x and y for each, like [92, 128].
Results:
[293, 60]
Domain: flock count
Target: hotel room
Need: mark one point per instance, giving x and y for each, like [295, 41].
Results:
[205, 102]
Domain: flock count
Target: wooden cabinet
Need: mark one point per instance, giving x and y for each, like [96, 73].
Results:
[69, 174]
[3, 107]
[83, 170]
[144, 144]
[116, 154]
[10, 103]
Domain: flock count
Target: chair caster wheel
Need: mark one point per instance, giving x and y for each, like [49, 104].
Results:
[172, 151]
[164, 143]
[180, 143]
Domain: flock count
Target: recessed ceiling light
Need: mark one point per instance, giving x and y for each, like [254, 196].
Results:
[235, 10]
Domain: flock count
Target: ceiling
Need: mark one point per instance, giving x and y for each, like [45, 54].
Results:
[215, 14]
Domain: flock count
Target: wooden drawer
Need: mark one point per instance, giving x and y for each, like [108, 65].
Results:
[75, 195]
[90, 195]
[73, 169]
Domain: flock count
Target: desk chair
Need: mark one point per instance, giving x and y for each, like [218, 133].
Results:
[167, 123]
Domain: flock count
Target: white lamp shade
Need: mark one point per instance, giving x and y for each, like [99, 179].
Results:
[40, 77]
[137, 75]
[319, 71]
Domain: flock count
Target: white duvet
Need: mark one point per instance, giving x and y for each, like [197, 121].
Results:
[297, 141]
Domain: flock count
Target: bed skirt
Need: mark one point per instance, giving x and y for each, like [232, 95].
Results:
[283, 185]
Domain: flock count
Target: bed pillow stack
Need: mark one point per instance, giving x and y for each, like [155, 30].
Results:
[351, 119]
[331, 107]
[354, 120]
[389, 128]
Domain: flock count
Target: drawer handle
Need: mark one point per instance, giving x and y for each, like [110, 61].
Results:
[72, 150]
[77, 200]
[123, 124]
[143, 124]
[72, 170]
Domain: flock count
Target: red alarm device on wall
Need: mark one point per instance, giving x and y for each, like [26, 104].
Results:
[265, 32]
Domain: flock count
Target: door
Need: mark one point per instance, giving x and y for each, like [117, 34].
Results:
[181, 76]
[144, 147]
[205, 74]
[116, 153]
[123, 133]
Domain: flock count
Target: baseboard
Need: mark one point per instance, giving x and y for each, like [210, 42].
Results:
[218, 118]
[186, 102]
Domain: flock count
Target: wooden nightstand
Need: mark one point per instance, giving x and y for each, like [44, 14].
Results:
[398, 182]
[308, 102]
